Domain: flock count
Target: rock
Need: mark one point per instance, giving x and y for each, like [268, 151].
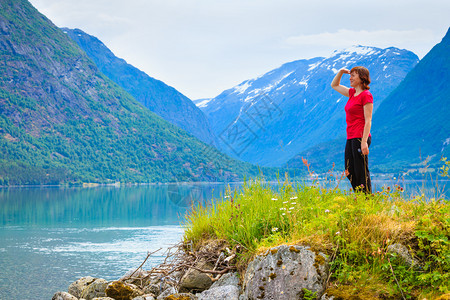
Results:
[157, 285]
[103, 298]
[176, 276]
[225, 292]
[64, 296]
[122, 291]
[196, 281]
[145, 297]
[137, 277]
[227, 279]
[77, 287]
[284, 272]
[326, 297]
[403, 252]
[181, 296]
[95, 290]
[136, 273]
[169, 291]
[226, 288]
[154, 289]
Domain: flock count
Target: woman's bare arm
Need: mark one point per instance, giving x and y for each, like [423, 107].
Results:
[336, 83]
[368, 108]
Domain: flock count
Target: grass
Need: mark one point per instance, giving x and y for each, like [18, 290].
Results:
[354, 229]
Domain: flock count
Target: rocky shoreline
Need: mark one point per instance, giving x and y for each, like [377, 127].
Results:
[282, 272]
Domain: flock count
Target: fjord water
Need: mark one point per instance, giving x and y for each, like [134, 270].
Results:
[52, 236]
[49, 237]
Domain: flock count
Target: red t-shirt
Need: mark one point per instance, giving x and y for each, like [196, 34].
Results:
[354, 110]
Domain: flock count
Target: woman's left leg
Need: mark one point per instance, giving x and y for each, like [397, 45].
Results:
[361, 178]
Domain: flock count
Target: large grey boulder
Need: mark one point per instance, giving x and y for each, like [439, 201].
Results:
[96, 289]
[285, 272]
[63, 296]
[77, 287]
[225, 292]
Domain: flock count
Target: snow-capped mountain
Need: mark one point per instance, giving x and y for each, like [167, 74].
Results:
[268, 119]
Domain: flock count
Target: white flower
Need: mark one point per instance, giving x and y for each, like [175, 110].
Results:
[283, 208]
[293, 198]
[283, 214]
[274, 229]
[227, 196]
[337, 233]
[285, 202]
[327, 210]
[274, 199]
[293, 203]
[291, 208]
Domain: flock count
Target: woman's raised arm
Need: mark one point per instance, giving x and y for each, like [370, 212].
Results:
[336, 83]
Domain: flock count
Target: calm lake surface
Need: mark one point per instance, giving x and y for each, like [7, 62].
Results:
[50, 237]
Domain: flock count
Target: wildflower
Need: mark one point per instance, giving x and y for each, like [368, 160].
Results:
[399, 188]
[327, 210]
[293, 198]
[291, 208]
[227, 196]
[293, 203]
[285, 202]
[274, 199]
[283, 208]
[274, 229]
[283, 214]
[338, 233]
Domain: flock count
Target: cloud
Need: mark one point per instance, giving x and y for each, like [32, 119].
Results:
[380, 38]
[203, 47]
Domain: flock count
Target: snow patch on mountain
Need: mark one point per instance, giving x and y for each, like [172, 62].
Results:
[202, 102]
[313, 66]
[240, 89]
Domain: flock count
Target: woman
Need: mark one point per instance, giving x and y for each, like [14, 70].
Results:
[358, 112]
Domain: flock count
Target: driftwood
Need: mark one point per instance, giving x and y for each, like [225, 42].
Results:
[180, 258]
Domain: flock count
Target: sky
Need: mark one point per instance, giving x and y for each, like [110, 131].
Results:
[203, 47]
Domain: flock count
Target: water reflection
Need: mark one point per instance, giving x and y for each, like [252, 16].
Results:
[103, 206]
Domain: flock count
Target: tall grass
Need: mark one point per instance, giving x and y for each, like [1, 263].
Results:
[354, 229]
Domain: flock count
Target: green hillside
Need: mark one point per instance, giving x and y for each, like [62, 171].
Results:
[62, 120]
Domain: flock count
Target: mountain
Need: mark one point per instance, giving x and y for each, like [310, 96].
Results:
[413, 122]
[269, 119]
[201, 102]
[62, 120]
[154, 94]
[410, 128]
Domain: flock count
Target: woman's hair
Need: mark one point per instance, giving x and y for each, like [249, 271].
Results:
[363, 75]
